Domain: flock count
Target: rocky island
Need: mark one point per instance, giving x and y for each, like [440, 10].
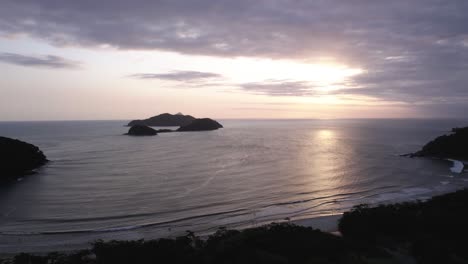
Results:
[18, 158]
[141, 130]
[201, 124]
[185, 122]
[165, 119]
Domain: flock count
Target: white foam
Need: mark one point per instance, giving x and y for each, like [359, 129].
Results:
[416, 190]
[457, 166]
[402, 195]
[122, 228]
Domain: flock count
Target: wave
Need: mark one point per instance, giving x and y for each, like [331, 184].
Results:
[334, 197]
[457, 167]
[266, 212]
[120, 228]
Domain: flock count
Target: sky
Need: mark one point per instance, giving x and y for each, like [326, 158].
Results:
[119, 59]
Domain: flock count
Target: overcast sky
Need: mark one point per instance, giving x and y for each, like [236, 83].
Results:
[116, 59]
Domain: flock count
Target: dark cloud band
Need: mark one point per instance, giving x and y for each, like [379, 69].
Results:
[178, 76]
[48, 61]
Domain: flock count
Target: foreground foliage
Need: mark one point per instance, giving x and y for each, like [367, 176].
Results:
[434, 231]
[274, 243]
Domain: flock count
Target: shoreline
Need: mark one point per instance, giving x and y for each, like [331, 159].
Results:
[65, 243]
[365, 231]
[42, 244]
[327, 224]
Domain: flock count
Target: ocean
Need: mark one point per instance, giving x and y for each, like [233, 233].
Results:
[101, 184]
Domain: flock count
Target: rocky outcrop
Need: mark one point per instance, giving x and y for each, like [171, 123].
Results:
[201, 124]
[140, 130]
[18, 158]
[165, 120]
[454, 145]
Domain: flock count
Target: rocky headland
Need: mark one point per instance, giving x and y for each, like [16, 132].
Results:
[450, 146]
[18, 158]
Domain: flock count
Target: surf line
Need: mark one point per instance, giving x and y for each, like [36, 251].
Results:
[457, 167]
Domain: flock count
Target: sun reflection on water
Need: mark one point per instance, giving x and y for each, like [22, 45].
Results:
[325, 170]
[326, 135]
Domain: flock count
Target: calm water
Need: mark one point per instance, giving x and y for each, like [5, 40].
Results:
[101, 184]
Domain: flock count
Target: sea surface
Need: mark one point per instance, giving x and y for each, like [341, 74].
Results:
[102, 184]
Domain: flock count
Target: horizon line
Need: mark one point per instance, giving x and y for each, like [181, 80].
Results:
[259, 119]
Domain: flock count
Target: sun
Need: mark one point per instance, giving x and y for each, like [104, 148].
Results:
[322, 76]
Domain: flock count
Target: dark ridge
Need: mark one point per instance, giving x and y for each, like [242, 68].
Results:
[454, 145]
[165, 119]
[140, 130]
[18, 158]
[201, 124]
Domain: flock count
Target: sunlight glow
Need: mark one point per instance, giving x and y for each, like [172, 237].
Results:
[326, 75]
[325, 136]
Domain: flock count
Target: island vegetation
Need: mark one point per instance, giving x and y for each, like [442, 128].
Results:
[164, 120]
[201, 124]
[194, 124]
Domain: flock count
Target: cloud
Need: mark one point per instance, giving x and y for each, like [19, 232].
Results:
[413, 51]
[47, 61]
[279, 28]
[429, 76]
[280, 88]
[180, 76]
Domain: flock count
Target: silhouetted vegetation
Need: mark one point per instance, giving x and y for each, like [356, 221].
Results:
[185, 123]
[434, 231]
[454, 145]
[426, 232]
[18, 158]
[274, 243]
[165, 119]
